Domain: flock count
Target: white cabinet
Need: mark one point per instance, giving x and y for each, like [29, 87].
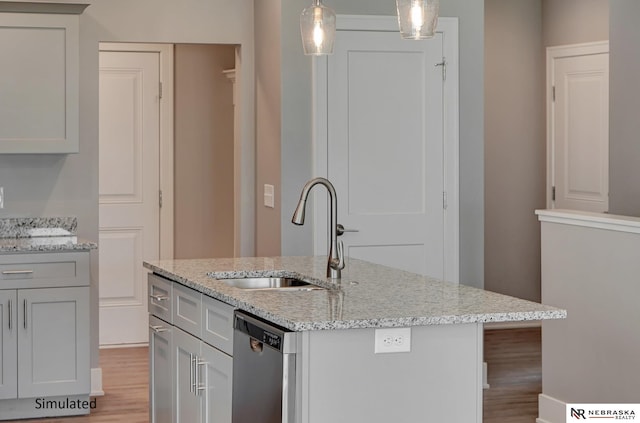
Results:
[53, 342]
[44, 331]
[190, 355]
[8, 345]
[160, 370]
[39, 79]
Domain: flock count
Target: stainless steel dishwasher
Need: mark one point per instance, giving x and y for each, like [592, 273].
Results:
[264, 371]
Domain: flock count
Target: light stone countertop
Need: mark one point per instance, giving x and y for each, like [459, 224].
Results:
[367, 296]
[41, 234]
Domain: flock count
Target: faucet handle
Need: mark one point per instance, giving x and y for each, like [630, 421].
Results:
[340, 264]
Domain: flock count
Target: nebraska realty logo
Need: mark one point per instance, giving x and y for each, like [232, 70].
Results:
[578, 412]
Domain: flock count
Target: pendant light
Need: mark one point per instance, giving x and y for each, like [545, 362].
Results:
[318, 28]
[417, 18]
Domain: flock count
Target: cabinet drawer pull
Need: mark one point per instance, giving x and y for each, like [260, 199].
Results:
[198, 387]
[10, 316]
[158, 329]
[159, 297]
[17, 272]
[191, 372]
[25, 313]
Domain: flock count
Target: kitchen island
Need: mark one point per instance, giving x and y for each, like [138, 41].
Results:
[339, 375]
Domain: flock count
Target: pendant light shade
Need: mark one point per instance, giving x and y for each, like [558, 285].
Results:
[318, 28]
[417, 18]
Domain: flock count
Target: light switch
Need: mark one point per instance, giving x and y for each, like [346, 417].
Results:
[269, 196]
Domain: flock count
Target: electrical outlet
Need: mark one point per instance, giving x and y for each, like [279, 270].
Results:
[392, 340]
[1, 197]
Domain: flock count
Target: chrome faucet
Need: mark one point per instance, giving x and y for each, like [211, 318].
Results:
[336, 250]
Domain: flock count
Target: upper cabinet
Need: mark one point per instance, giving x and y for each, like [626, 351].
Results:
[39, 77]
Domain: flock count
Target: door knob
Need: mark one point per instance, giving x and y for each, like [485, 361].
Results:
[341, 229]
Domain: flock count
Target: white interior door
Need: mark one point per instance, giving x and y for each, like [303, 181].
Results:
[129, 190]
[579, 127]
[385, 152]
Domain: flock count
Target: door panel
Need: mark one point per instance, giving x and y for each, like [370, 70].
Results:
[385, 148]
[8, 344]
[187, 404]
[129, 189]
[53, 342]
[581, 132]
[161, 380]
[217, 372]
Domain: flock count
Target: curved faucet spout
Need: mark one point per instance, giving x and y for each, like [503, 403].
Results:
[336, 255]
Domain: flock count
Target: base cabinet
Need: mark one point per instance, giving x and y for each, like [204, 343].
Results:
[190, 380]
[44, 333]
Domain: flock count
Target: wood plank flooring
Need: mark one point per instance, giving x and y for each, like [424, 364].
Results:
[513, 357]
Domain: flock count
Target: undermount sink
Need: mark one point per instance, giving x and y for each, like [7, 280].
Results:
[271, 283]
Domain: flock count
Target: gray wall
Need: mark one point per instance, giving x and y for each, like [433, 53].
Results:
[624, 103]
[516, 34]
[515, 160]
[203, 151]
[574, 21]
[296, 125]
[67, 185]
[268, 124]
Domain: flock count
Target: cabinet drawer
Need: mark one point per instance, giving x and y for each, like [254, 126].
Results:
[187, 309]
[160, 297]
[42, 270]
[217, 324]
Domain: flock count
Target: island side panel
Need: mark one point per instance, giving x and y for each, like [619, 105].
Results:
[342, 380]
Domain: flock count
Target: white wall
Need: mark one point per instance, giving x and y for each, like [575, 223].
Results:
[575, 21]
[592, 272]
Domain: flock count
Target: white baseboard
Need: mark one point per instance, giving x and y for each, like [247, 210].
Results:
[114, 346]
[96, 382]
[551, 410]
[514, 325]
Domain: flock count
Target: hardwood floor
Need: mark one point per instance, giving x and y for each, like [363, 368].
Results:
[513, 357]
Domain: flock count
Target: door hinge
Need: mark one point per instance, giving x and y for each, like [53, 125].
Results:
[444, 200]
[553, 193]
[444, 68]
[160, 198]
[553, 93]
[160, 90]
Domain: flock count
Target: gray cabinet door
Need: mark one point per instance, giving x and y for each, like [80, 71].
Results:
[8, 345]
[160, 373]
[185, 354]
[53, 344]
[216, 384]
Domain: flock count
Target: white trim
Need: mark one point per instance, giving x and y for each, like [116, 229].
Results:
[165, 52]
[551, 410]
[449, 29]
[118, 346]
[605, 221]
[554, 53]
[96, 382]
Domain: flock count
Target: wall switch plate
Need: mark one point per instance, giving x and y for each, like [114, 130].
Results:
[269, 196]
[392, 340]
[1, 197]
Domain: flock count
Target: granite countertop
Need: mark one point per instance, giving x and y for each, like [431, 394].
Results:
[41, 234]
[368, 295]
